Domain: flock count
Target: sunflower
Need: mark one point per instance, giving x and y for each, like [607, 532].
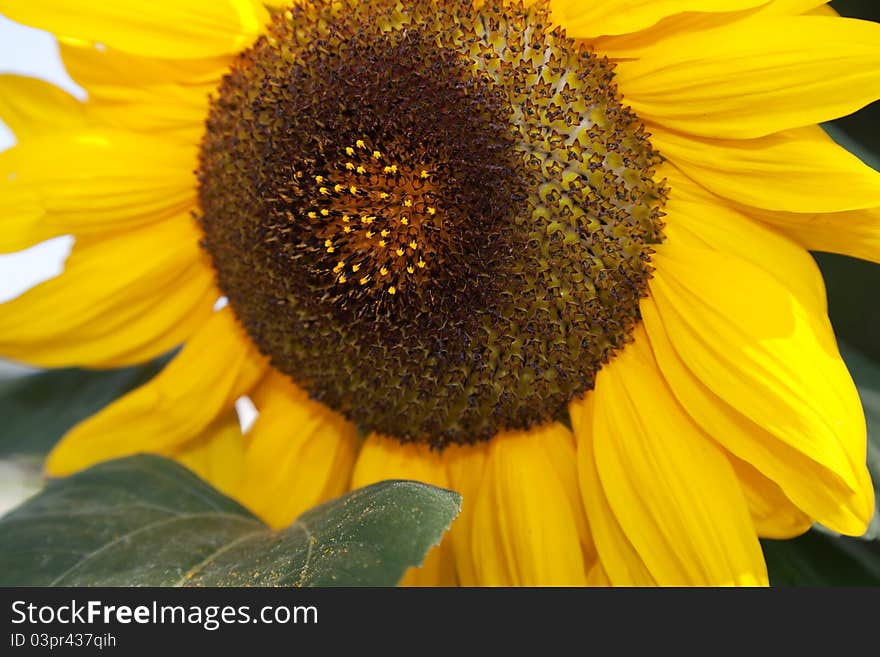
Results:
[551, 255]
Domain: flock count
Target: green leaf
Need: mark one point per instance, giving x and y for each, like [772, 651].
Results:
[37, 409]
[821, 557]
[147, 521]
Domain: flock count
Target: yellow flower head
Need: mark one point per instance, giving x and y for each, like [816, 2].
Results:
[597, 318]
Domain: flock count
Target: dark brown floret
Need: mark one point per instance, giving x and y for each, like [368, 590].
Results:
[435, 219]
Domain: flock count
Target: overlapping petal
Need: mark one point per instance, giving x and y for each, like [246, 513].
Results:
[628, 568]
[91, 182]
[525, 529]
[801, 170]
[145, 94]
[30, 106]
[675, 509]
[466, 467]
[699, 219]
[216, 455]
[161, 28]
[855, 233]
[753, 78]
[635, 45]
[707, 217]
[583, 20]
[215, 367]
[299, 453]
[749, 359]
[122, 299]
[774, 514]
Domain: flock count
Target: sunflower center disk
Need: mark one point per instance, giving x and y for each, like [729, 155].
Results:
[379, 219]
[436, 219]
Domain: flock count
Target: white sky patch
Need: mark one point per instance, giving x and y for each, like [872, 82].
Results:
[7, 139]
[22, 270]
[32, 52]
[19, 480]
[247, 413]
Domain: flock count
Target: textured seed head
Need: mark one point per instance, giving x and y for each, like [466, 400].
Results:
[435, 218]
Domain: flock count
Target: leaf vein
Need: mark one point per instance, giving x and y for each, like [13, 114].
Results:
[107, 546]
[199, 566]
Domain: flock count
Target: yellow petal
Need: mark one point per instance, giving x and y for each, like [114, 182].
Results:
[795, 7]
[753, 343]
[156, 96]
[583, 20]
[669, 486]
[525, 532]
[100, 70]
[560, 446]
[699, 219]
[160, 28]
[810, 484]
[91, 182]
[299, 455]
[215, 367]
[216, 455]
[855, 233]
[597, 576]
[618, 562]
[756, 77]
[465, 466]
[384, 458]
[122, 299]
[636, 45]
[29, 106]
[822, 10]
[800, 170]
[774, 515]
